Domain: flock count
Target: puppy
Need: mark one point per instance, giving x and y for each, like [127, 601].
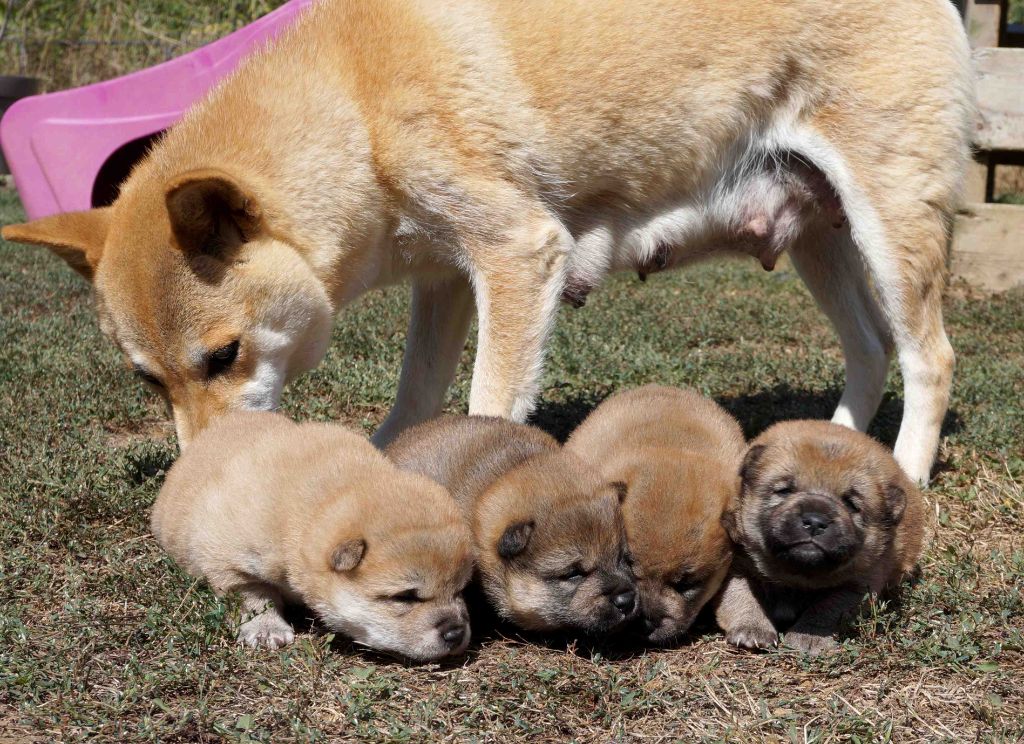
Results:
[502, 156]
[312, 513]
[825, 516]
[676, 455]
[550, 543]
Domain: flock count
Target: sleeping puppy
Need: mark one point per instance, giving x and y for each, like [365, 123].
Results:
[676, 454]
[550, 544]
[314, 514]
[825, 517]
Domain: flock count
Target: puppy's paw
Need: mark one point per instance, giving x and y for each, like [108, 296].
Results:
[752, 637]
[267, 630]
[810, 643]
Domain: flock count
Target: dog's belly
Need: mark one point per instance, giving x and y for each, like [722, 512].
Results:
[758, 206]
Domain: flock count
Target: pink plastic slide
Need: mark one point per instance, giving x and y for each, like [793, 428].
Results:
[71, 149]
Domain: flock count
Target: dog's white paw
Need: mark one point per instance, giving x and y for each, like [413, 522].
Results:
[810, 643]
[752, 637]
[267, 630]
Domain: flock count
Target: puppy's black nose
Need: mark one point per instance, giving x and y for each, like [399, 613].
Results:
[625, 601]
[453, 634]
[815, 523]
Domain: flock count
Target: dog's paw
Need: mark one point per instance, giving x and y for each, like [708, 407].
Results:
[268, 630]
[810, 643]
[752, 637]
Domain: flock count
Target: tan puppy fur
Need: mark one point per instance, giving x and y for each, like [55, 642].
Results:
[507, 153]
[550, 543]
[825, 517]
[313, 513]
[677, 455]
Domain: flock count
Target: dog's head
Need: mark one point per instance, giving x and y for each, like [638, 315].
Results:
[819, 503]
[673, 508]
[213, 308]
[390, 573]
[551, 547]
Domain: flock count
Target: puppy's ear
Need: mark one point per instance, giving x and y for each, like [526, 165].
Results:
[348, 555]
[750, 468]
[514, 539]
[621, 489]
[730, 526]
[211, 212]
[895, 503]
[77, 237]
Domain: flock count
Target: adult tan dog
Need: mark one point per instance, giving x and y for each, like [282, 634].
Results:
[507, 153]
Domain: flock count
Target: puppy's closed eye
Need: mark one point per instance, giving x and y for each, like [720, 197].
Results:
[686, 584]
[784, 487]
[407, 596]
[575, 572]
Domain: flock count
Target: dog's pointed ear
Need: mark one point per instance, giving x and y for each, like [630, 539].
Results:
[895, 502]
[348, 555]
[514, 540]
[77, 237]
[750, 468]
[729, 524]
[211, 212]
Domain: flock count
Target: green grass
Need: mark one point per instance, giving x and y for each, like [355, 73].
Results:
[68, 43]
[102, 637]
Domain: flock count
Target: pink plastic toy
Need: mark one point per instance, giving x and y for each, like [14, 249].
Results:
[71, 149]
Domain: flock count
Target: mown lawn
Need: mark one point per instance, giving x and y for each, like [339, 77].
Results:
[102, 637]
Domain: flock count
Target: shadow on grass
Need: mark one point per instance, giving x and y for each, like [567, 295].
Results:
[755, 411]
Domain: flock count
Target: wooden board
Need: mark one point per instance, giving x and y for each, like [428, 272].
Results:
[981, 18]
[1000, 76]
[988, 246]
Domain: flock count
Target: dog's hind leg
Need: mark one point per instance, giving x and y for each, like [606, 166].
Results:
[518, 283]
[441, 311]
[898, 196]
[831, 267]
[908, 270]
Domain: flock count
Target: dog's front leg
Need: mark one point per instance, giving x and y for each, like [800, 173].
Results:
[740, 612]
[518, 284]
[265, 625]
[814, 632]
[441, 311]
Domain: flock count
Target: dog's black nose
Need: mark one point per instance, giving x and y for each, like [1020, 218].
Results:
[625, 601]
[454, 634]
[815, 523]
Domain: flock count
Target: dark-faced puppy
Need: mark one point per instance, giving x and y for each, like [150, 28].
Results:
[676, 455]
[825, 516]
[550, 536]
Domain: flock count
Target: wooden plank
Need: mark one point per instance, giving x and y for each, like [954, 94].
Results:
[976, 182]
[1000, 85]
[988, 246]
[981, 19]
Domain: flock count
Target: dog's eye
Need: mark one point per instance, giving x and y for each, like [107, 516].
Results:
[409, 595]
[147, 377]
[221, 359]
[575, 572]
[686, 583]
[852, 500]
[784, 488]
